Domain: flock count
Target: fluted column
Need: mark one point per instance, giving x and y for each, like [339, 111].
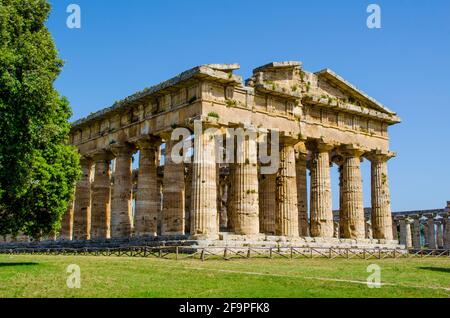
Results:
[230, 199]
[146, 213]
[267, 203]
[342, 213]
[321, 215]
[405, 232]
[446, 222]
[302, 193]
[173, 222]
[121, 209]
[82, 208]
[245, 194]
[416, 232]
[101, 196]
[66, 233]
[439, 234]
[204, 187]
[188, 198]
[425, 234]
[286, 213]
[368, 229]
[336, 229]
[381, 201]
[218, 191]
[352, 216]
[223, 196]
[159, 193]
[431, 232]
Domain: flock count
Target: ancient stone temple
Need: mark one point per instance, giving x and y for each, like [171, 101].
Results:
[316, 121]
[423, 229]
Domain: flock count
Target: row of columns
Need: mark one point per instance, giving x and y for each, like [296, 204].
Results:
[416, 231]
[273, 204]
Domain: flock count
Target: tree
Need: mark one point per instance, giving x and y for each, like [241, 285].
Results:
[38, 168]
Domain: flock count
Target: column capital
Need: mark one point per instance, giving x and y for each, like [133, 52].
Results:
[300, 151]
[429, 215]
[321, 145]
[120, 149]
[205, 120]
[102, 155]
[405, 218]
[337, 159]
[380, 156]
[165, 135]
[414, 216]
[291, 139]
[85, 160]
[148, 142]
[351, 150]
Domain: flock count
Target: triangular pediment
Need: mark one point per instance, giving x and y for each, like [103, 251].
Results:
[335, 85]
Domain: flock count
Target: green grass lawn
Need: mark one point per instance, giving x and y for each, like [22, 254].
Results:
[45, 276]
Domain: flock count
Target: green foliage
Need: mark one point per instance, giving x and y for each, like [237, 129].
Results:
[38, 169]
[383, 178]
[213, 114]
[231, 103]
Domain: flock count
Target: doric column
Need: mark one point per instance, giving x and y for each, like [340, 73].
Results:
[187, 197]
[321, 215]
[67, 223]
[405, 231]
[394, 228]
[267, 203]
[146, 213]
[218, 192]
[336, 229]
[368, 229]
[302, 192]
[82, 208]
[381, 201]
[121, 209]
[159, 193]
[431, 231]
[245, 194]
[173, 222]
[352, 216]
[446, 222]
[230, 199]
[342, 213]
[223, 197]
[425, 233]
[339, 161]
[204, 187]
[286, 213]
[416, 231]
[439, 234]
[101, 196]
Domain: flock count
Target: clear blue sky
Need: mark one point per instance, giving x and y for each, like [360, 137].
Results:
[124, 46]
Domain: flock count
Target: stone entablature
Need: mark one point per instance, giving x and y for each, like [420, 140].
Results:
[279, 96]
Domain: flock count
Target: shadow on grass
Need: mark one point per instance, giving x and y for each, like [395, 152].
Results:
[18, 264]
[436, 269]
